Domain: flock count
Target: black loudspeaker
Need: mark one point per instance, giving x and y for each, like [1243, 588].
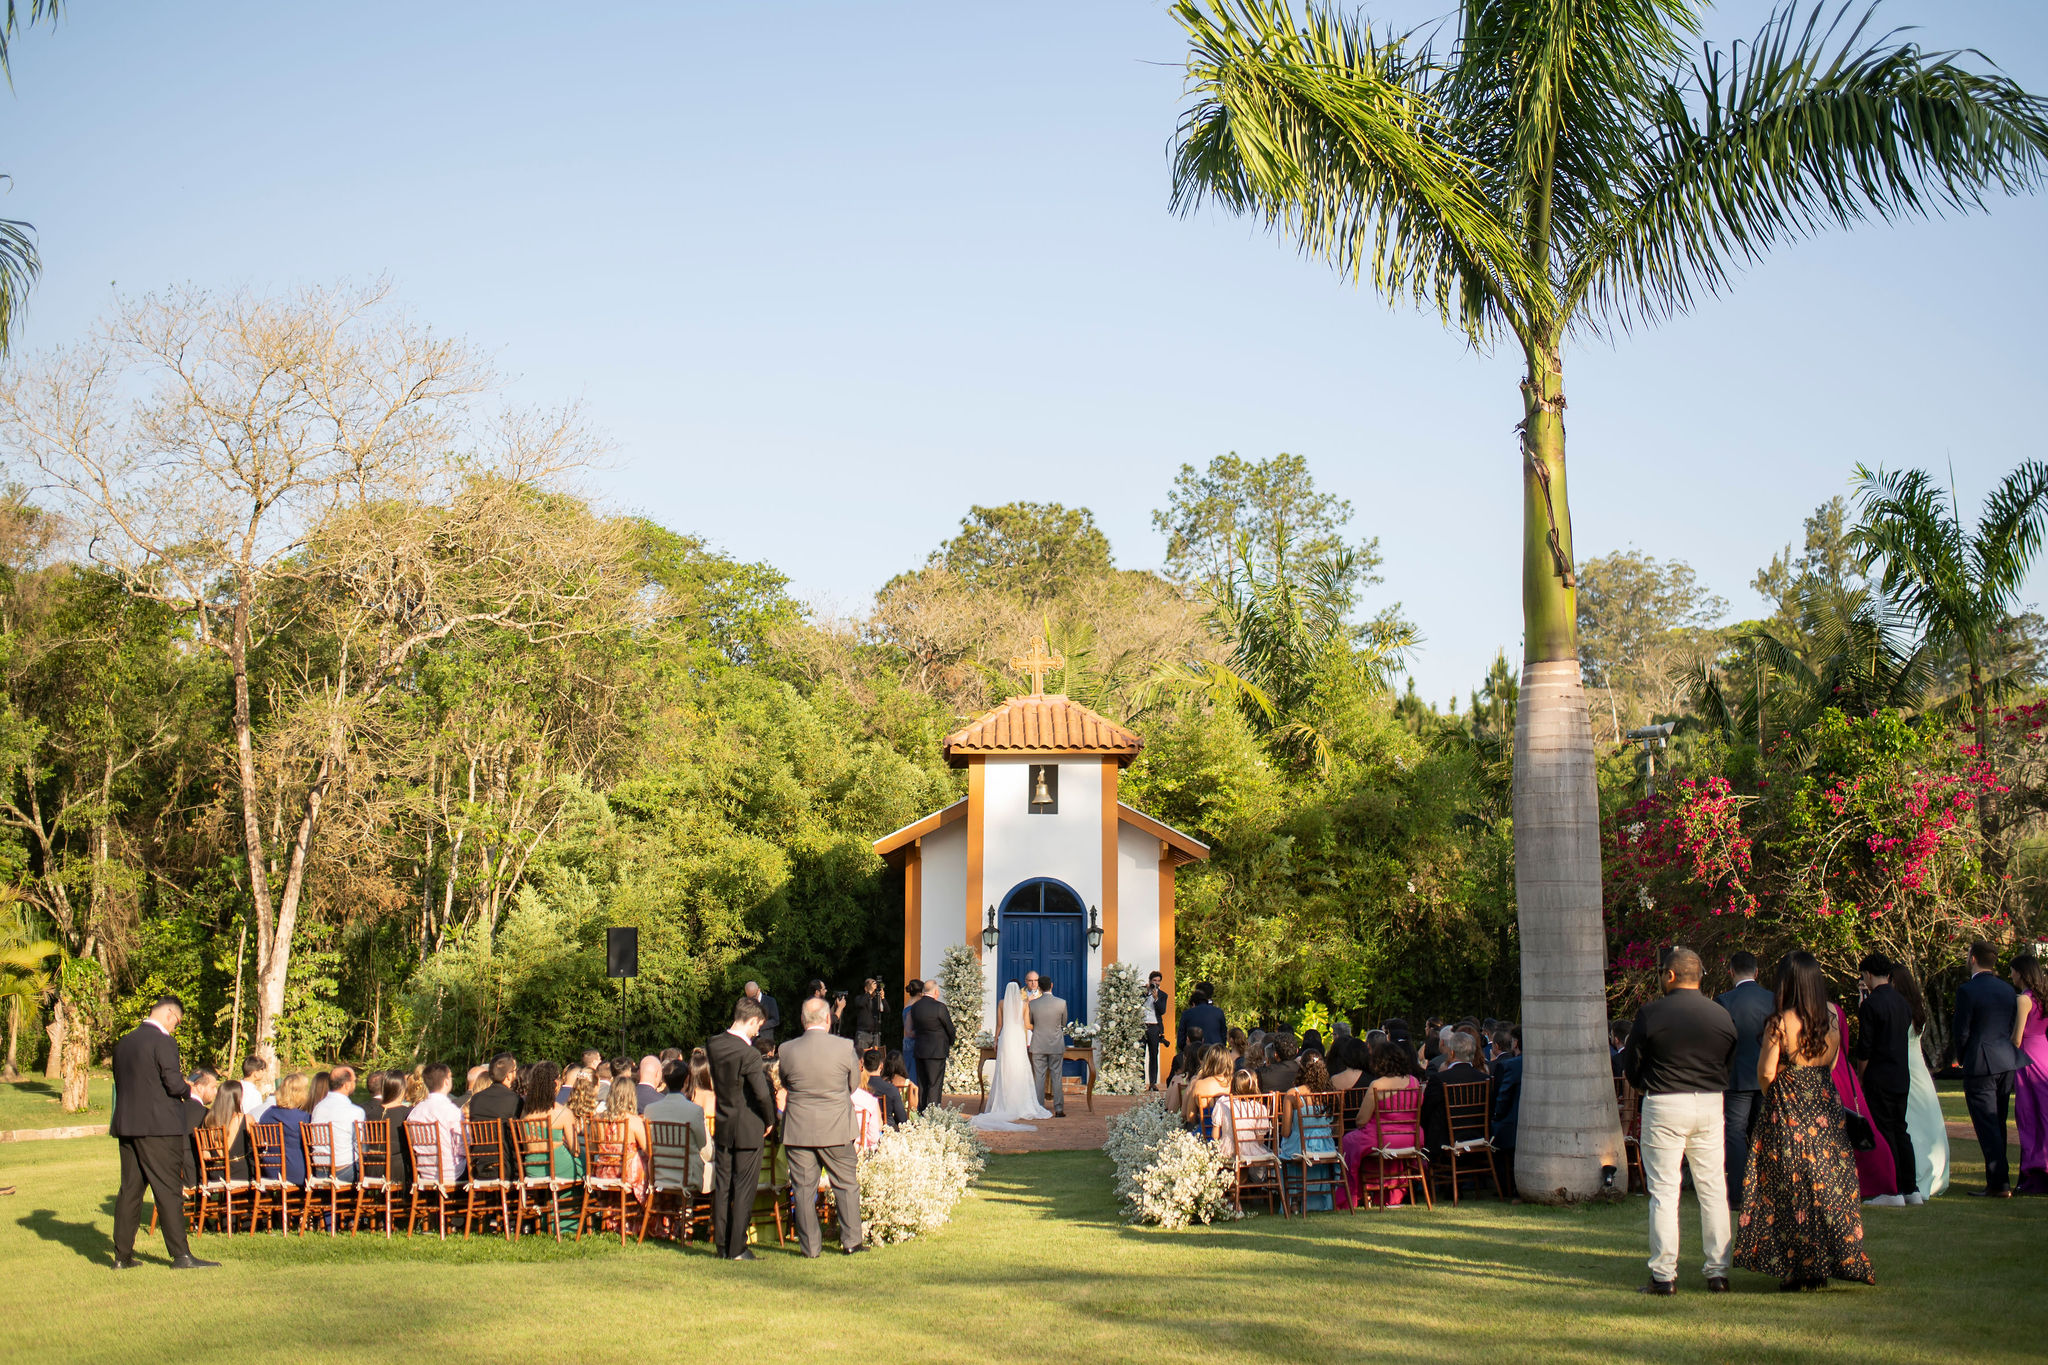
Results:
[622, 952]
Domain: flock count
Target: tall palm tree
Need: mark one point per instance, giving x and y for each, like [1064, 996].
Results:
[1960, 586]
[23, 977]
[19, 264]
[1559, 169]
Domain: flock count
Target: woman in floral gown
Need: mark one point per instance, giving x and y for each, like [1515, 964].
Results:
[1801, 1218]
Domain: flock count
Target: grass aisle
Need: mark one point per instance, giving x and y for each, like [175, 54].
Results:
[1036, 1265]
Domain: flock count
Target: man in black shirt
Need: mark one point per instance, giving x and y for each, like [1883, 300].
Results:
[1678, 1055]
[870, 1007]
[1883, 1033]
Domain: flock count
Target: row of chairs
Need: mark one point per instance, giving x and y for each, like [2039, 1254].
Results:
[511, 1180]
[1287, 1148]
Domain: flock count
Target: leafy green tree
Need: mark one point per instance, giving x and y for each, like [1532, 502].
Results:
[1645, 625]
[1560, 170]
[1959, 585]
[1033, 550]
[1273, 504]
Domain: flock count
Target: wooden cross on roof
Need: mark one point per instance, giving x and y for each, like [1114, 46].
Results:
[1038, 663]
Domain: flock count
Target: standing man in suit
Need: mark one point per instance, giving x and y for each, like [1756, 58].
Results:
[1201, 1024]
[1048, 1015]
[1158, 1020]
[1749, 1005]
[151, 1122]
[931, 1026]
[1883, 1034]
[746, 1113]
[820, 1073]
[771, 1013]
[1986, 1010]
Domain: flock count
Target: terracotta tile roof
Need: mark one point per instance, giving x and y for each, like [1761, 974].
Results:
[1042, 724]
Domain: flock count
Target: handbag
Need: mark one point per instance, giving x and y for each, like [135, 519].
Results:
[1861, 1135]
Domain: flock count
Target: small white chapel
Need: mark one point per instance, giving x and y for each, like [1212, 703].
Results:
[1040, 867]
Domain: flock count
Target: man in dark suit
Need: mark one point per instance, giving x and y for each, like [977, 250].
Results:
[771, 1013]
[931, 1026]
[1507, 1102]
[200, 1088]
[1749, 1005]
[1158, 1026]
[1884, 1023]
[746, 1113]
[1201, 1025]
[820, 1073]
[497, 1100]
[150, 1119]
[1986, 1010]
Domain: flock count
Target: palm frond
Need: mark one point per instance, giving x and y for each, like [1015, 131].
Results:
[19, 267]
[1330, 135]
[1815, 124]
[13, 22]
[2009, 533]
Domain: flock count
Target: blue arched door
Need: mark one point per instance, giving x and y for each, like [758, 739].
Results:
[1041, 923]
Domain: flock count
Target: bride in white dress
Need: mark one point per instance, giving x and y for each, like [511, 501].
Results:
[1010, 1094]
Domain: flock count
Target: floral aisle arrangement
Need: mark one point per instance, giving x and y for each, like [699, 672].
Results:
[1119, 1032]
[960, 976]
[915, 1175]
[1165, 1174]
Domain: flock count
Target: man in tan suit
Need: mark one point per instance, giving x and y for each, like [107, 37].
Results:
[820, 1072]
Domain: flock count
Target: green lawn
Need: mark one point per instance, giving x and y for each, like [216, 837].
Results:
[32, 1103]
[1037, 1265]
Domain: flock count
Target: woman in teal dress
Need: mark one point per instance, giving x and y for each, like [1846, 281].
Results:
[1309, 1132]
[559, 1161]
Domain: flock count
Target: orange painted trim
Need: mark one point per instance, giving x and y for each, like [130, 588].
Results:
[1166, 870]
[977, 823]
[911, 833]
[1188, 850]
[913, 912]
[1110, 822]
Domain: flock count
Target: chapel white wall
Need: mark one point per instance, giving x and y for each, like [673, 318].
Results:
[1019, 846]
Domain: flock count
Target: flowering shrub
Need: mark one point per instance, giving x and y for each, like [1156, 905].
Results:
[915, 1175]
[960, 975]
[1119, 1032]
[1165, 1174]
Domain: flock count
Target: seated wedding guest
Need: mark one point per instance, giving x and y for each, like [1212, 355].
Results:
[496, 1097]
[625, 1105]
[1212, 1081]
[1308, 1127]
[601, 1078]
[676, 1106]
[1239, 1121]
[624, 1070]
[898, 1072]
[1432, 1040]
[868, 1118]
[587, 1062]
[1617, 1039]
[1482, 1046]
[700, 1087]
[649, 1086]
[391, 1099]
[290, 1110]
[255, 1088]
[341, 1114]
[1461, 1049]
[560, 1161]
[1312, 1041]
[1281, 1070]
[887, 1097]
[416, 1085]
[1347, 1063]
[322, 1083]
[226, 1112]
[671, 1054]
[372, 1087]
[1393, 1068]
[202, 1087]
[583, 1105]
[441, 1111]
[1237, 1040]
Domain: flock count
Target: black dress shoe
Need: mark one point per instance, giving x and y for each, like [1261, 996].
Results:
[190, 1262]
[855, 1251]
[1663, 1289]
[1991, 1194]
[125, 1263]
[744, 1256]
[1717, 1284]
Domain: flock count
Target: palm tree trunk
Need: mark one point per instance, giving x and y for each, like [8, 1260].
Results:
[1570, 1127]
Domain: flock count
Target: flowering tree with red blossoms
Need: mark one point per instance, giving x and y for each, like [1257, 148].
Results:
[1872, 844]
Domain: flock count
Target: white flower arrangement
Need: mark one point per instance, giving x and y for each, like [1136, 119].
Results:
[960, 975]
[917, 1173]
[1082, 1035]
[1165, 1174]
[1119, 1032]
[984, 1039]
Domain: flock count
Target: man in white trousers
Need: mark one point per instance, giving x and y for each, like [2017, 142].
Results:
[1679, 1056]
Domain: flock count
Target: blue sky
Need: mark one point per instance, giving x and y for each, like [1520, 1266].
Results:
[830, 273]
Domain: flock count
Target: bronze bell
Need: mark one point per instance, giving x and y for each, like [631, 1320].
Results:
[1043, 796]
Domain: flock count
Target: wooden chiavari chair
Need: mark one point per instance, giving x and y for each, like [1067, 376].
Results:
[1469, 1108]
[375, 1177]
[1316, 1164]
[671, 1195]
[316, 1140]
[1396, 1137]
[605, 1143]
[273, 1190]
[433, 1176]
[540, 1189]
[216, 1179]
[1252, 1129]
[492, 1176]
[1629, 1102]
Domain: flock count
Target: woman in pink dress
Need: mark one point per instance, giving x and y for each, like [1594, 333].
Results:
[1874, 1172]
[2030, 1086]
[1393, 1070]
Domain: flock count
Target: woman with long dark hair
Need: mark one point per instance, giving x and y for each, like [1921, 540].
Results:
[2030, 1086]
[1801, 1219]
[1924, 1123]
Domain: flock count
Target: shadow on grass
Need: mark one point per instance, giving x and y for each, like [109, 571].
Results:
[89, 1240]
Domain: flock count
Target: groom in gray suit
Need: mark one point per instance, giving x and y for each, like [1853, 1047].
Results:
[1049, 1046]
